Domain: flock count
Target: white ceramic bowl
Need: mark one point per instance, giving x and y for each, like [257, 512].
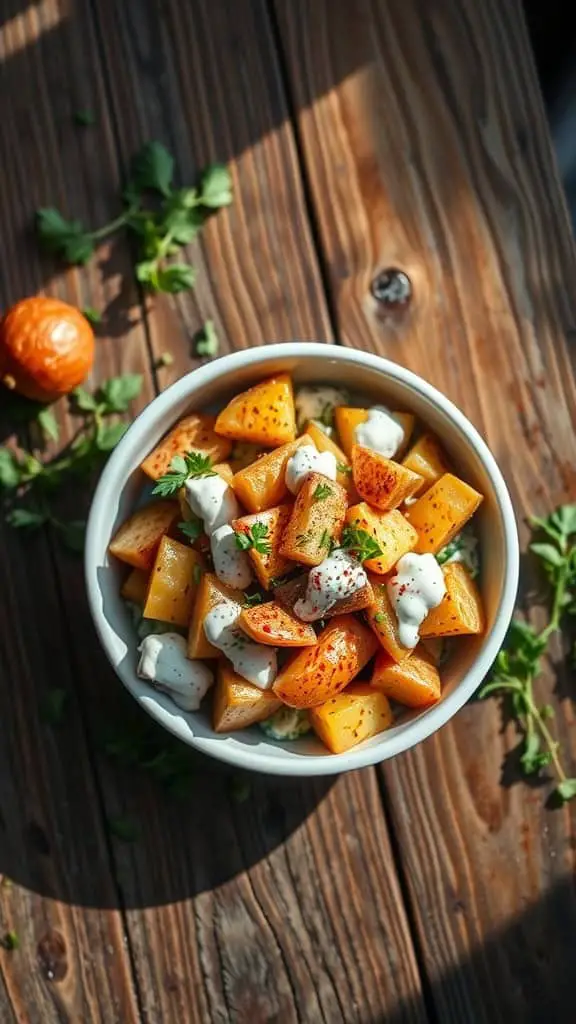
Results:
[385, 382]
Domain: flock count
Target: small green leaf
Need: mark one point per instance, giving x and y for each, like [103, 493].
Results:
[251, 600]
[10, 470]
[548, 554]
[243, 541]
[379, 617]
[152, 168]
[147, 272]
[322, 492]
[10, 941]
[164, 360]
[53, 705]
[24, 518]
[176, 277]
[109, 435]
[182, 223]
[566, 789]
[84, 118]
[192, 529]
[117, 393]
[48, 423]
[343, 468]
[83, 400]
[92, 315]
[124, 829]
[216, 187]
[67, 238]
[207, 340]
[529, 758]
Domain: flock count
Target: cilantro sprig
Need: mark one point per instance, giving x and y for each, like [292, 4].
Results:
[519, 663]
[321, 492]
[183, 468]
[29, 485]
[360, 543]
[254, 538]
[159, 216]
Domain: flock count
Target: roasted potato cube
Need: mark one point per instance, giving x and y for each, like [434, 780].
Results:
[291, 591]
[274, 625]
[238, 704]
[268, 565]
[382, 619]
[442, 512]
[195, 433]
[311, 676]
[262, 485]
[427, 459]
[384, 484]
[326, 444]
[350, 717]
[391, 531]
[211, 592]
[135, 587]
[137, 540]
[460, 612]
[264, 414]
[174, 582]
[414, 681]
[316, 519]
[348, 419]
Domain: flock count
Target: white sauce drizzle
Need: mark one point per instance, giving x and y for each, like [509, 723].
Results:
[307, 459]
[416, 588]
[255, 662]
[163, 663]
[213, 500]
[337, 577]
[231, 565]
[381, 432]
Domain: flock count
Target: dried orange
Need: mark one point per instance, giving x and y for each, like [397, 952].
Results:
[46, 348]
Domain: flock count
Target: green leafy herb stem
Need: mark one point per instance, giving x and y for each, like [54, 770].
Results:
[183, 468]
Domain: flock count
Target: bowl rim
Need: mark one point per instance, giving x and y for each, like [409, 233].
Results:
[414, 732]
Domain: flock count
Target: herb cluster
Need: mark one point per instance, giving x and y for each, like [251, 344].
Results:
[255, 538]
[30, 486]
[519, 663]
[159, 217]
[183, 468]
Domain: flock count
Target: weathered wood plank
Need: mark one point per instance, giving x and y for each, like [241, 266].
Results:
[203, 79]
[426, 148]
[72, 963]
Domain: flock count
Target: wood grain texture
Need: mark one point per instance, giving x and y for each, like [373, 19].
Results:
[421, 124]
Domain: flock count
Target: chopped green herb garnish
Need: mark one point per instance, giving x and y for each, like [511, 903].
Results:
[379, 617]
[191, 528]
[326, 541]
[92, 315]
[254, 538]
[250, 600]
[196, 574]
[207, 340]
[183, 468]
[322, 492]
[343, 468]
[361, 543]
[48, 423]
[518, 664]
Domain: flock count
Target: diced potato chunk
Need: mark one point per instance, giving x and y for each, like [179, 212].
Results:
[262, 485]
[434, 647]
[390, 530]
[135, 587]
[211, 592]
[414, 681]
[326, 444]
[383, 483]
[272, 624]
[270, 565]
[351, 717]
[442, 512]
[348, 419]
[238, 704]
[381, 617]
[137, 540]
[244, 454]
[460, 612]
[291, 591]
[195, 433]
[316, 519]
[428, 460]
[174, 583]
[311, 676]
[264, 414]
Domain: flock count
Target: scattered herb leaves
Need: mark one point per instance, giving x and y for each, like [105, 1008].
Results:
[183, 468]
[92, 315]
[191, 528]
[254, 538]
[162, 218]
[518, 664]
[321, 492]
[360, 543]
[343, 468]
[251, 600]
[48, 423]
[207, 340]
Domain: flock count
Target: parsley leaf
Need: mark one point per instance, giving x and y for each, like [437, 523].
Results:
[250, 600]
[152, 168]
[518, 664]
[191, 528]
[109, 434]
[26, 519]
[207, 340]
[360, 543]
[216, 187]
[176, 277]
[254, 538]
[116, 394]
[92, 315]
[48, 423]
[343, 468]
[10, 469]
[66, 238]
[322, 492]
[183, 468]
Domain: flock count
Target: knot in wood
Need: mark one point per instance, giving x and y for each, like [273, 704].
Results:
[392, 288]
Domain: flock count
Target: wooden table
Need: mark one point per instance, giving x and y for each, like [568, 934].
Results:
[361, 135]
